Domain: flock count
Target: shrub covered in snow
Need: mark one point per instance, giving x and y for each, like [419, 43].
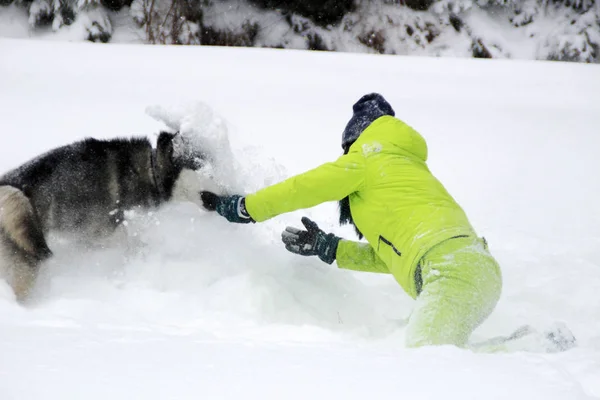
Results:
[321, 12]
[565, 30]
[168, 22]
[90, 14]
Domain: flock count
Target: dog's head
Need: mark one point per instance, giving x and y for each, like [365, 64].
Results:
[179, 152]
[177, 157]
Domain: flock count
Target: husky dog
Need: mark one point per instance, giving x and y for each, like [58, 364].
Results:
[84, 188]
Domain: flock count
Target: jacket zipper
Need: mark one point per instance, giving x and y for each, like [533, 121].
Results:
[384, 240]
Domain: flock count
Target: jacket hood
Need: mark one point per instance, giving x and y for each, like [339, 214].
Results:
[391, 135]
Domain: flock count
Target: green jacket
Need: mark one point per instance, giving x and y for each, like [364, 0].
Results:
[395, 201]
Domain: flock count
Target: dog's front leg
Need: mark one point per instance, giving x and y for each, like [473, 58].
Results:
[23, 279]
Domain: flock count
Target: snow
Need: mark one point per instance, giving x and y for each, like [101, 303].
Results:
[198, 307]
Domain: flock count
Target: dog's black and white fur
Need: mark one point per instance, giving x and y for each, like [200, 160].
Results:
[83, 188]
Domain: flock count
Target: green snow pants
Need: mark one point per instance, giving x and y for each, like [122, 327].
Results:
[461, 284]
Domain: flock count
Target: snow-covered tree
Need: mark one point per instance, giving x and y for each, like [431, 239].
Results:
[89, 14]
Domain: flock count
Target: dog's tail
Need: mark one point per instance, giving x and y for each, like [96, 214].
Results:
[22, 240]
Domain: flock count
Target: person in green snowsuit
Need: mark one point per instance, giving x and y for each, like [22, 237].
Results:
[414, 228]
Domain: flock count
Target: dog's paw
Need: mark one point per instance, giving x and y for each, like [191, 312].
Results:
[209, 200]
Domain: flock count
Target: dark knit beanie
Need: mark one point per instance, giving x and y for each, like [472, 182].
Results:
[366, 110]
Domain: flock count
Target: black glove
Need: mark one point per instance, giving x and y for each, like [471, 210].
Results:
[233, 208]
[311, 242]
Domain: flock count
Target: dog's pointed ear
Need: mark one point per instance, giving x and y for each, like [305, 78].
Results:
[164, 137]
[165, 148]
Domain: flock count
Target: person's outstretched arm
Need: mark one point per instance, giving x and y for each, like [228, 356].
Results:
[329, 182]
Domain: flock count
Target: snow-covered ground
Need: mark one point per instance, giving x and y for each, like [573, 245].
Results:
[207, 309]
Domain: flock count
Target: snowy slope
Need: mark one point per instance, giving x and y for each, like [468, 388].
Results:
[205, 309]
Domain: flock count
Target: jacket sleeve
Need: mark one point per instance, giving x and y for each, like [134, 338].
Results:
[329, 182]
[359, 256]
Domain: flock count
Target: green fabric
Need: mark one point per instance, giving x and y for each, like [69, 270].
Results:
[328, 182]
[461, 286]
[399, 206]
[359, 256]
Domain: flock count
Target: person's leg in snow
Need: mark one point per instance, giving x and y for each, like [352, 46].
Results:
[461, 286]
